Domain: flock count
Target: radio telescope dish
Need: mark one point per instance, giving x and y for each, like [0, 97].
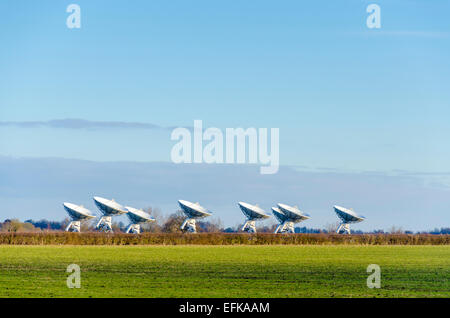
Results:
[288, 216]
[253, 213]
[109, 208]
[193, 211]
[279, 215]
[137, 217]
[347, 217]
[77, 213]
[293, 212]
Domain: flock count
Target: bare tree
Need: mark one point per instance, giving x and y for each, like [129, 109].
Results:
[157, 225]
[173, 223]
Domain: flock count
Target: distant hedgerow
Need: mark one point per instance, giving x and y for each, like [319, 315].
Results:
[90, 238]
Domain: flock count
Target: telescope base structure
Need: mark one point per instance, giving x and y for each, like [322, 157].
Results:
[344, 228]
[285, 227]
[134, 229]
[189, 226]
[105, 224]
[74, 226]
[249, 226]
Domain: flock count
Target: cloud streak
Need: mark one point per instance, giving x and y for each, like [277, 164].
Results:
[74, 123]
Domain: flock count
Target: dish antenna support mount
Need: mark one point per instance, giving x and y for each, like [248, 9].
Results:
[249, 226]
[105, 224]
[133, 228]
[74, 226]
[189, 226]
[343, 228]
[285, 227]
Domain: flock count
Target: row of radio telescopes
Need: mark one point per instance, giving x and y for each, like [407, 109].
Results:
[286, 215]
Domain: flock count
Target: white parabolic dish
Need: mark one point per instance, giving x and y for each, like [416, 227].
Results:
[293, 213]
[252, 212]
[348, 216]
[138, 216]
[109, 207]
[77, 212]
[279, 215]
[193, 210]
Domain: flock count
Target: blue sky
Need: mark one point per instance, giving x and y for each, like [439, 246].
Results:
[346, 98]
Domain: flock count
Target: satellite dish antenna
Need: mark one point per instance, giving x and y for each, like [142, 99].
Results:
[193, 211]
[288, 216]
[77, 213]
[279, 215]
[137, 217]
[109, 208]
[253, 213]
[347, 217]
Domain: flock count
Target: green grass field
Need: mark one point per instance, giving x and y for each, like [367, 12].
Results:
[225, 271]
